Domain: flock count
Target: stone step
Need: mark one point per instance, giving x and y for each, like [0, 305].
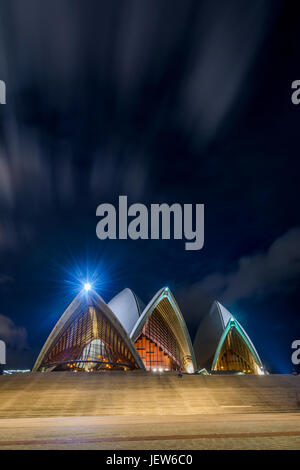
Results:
[141, 393]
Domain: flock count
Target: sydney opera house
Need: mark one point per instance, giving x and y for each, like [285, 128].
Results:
[123, 334]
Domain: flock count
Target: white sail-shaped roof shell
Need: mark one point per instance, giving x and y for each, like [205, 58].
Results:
[226, 317]
[79, 303]
[210, 332]
[126, 308]
[179, 329]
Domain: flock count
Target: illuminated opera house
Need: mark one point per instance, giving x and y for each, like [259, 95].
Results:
[123, 334]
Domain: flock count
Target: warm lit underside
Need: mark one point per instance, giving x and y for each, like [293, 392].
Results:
[89, 342]
[157, 344]
[235, 355]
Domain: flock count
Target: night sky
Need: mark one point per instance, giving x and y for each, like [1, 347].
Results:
[162, 101]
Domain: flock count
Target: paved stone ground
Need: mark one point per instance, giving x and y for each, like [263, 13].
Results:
[236, 431]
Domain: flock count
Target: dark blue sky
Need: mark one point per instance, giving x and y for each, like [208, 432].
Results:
[163, 102]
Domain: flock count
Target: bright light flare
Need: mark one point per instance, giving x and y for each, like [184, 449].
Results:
[87, 286]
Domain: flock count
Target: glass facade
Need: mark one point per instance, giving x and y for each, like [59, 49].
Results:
[235, 354]
[157, 343]
[90, 342]
[153, 356]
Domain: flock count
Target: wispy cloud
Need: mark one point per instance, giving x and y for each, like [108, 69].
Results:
[14, 336]
[257, 275]
[5, 279]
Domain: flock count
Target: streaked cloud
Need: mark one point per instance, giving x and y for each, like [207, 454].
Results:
[260, 274]
[14, 336]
